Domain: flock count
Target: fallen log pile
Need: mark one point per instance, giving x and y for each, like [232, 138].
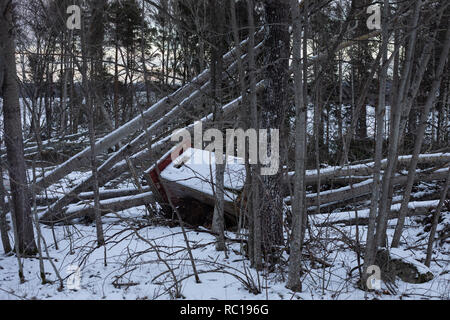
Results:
[139, 150]
[194, 182]
[103, 195]
[85, 198]
[363, 188]
[54, 150]
[147, 138]
[330, 174]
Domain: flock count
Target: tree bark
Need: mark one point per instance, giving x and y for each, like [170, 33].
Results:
[4, 211]
[217, 15]
[94, 98]
[370, 253]
[298, 205]
[13, 134]
[273, 112]
[256, 259]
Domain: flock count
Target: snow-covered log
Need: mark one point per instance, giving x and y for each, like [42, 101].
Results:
[106, 206]
[104, 194]
[364, 188]
[112, 193]
[366, 169]
[361, 216]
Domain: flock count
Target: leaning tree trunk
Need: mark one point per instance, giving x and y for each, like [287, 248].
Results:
[419, 140]
[413, 83]
[394, 138]
[435, 222]
[13, 134]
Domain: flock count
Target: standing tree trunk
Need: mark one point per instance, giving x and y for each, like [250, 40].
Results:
[95, 54]
[370, 253]
[341, 92]
[94, 100]
[273, 111]
[4, 211]
[298, 204]
[217, 15]
[243, 122]
[13, 134]
[255, 214]
[116, 75]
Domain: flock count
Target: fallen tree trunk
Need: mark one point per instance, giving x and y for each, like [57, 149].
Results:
[361, 216]
[111, 168]
[112, 193]
[130, 127]
[366, 169]
[364, 188]
[55, 152]
[141, 158]
[32, 146]
[106, 206]
[103, 195]
[154, 112]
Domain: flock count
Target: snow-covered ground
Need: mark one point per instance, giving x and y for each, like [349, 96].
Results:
[149, 260]
[139, 256]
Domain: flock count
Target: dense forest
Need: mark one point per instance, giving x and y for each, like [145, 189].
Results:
[216, 149]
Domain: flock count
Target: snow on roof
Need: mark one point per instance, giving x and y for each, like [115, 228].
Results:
[195, 169]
